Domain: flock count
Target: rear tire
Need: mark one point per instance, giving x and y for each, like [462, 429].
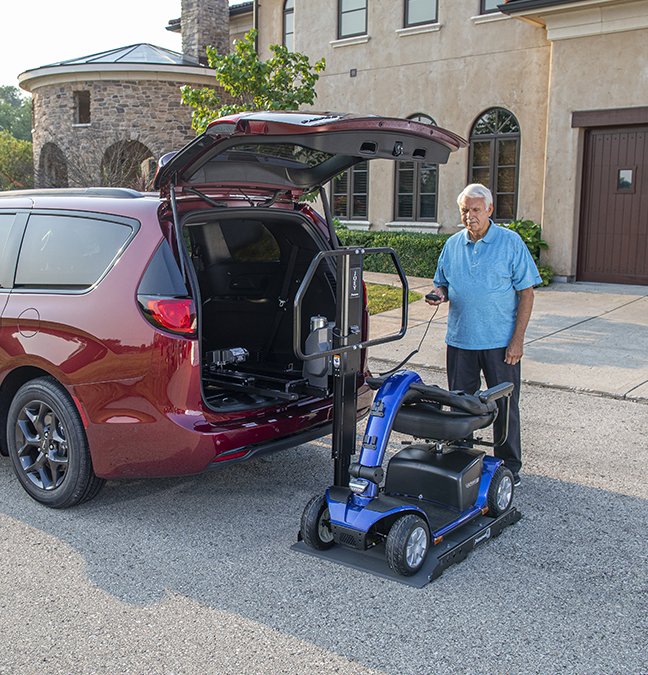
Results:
[48, 446]
[316, 524]
[407, 545]
[500, 492]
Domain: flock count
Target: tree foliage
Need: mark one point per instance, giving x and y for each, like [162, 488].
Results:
[16, 163]
[283, 82]
[15, 113]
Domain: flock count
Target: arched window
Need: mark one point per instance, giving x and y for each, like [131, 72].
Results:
[495, 158]
[417, 185]
[289, 25]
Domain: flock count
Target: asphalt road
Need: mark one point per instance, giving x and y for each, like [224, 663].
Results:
[195, 575]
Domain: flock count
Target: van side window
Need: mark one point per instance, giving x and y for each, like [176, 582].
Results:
[6, 221]
[62, 251]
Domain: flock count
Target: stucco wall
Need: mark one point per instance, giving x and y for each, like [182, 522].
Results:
[453, 73]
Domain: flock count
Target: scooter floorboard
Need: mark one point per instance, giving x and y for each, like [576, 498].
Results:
[454, 548]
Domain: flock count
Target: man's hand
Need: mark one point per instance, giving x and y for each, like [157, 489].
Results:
[441, 292]
[514, 351]
[515, 347]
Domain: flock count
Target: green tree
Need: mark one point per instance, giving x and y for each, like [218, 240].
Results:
[283, 82]
[15, 113]
[16, 163]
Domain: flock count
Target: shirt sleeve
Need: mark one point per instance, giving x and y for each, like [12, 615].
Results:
[525, 271]
[439, 276]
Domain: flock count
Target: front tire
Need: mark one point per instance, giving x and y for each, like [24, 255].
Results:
[48, 446]
[500, 492]
[407, 545]
[316, 524]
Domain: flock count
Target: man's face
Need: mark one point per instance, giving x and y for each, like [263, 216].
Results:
[475, 216]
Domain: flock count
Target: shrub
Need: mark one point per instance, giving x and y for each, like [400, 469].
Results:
[418, 253]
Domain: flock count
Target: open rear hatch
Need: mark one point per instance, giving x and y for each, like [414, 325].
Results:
[244, 263]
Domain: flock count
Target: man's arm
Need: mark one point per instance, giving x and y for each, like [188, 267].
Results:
[515, 347]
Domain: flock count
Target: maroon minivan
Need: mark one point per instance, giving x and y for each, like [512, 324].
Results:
[152, 335]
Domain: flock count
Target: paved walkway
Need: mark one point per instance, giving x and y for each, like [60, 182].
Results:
[582, 336]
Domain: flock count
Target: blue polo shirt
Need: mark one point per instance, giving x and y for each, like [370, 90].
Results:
[482, 279]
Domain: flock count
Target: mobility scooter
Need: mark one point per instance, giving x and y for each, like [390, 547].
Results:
[432, 491]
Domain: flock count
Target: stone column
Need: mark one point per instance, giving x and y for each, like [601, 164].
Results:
[205, 23]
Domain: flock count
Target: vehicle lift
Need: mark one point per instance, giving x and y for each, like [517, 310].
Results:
[432, 510]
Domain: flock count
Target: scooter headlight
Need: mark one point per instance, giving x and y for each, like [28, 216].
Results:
[358, 485]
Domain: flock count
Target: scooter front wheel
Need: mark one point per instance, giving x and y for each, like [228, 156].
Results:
[500, 492]
[407, 545]
[316, 524]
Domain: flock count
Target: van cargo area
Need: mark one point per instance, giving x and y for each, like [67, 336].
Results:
[248, 265]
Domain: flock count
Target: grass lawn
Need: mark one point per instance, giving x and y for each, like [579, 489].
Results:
[383, 298]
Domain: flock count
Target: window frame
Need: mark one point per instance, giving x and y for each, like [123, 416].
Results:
[288, 11]
[494, 165]
[341, 12]
[406, 24]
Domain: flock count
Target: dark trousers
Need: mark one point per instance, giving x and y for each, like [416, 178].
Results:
[464, 369]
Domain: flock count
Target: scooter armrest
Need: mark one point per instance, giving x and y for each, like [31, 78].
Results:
[376, 382]
[499, 391]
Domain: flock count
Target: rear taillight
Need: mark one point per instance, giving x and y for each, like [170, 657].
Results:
[177, 315]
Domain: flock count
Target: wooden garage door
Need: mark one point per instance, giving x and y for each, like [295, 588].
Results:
[614, 206]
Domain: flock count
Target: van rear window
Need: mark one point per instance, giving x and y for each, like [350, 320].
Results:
[62, 251]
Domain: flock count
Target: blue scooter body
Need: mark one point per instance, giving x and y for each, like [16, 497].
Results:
[353, 515]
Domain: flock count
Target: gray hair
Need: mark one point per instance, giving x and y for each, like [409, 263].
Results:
[476, 191]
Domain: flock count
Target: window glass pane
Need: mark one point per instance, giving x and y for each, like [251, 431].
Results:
[353, 23]
[507, 123]
[68, 252]
[360, 182]
[348, 5]
[405, 206]
[428, 178]
[6, 220]
[428, 206]
[481, 176]
[506, 179]
[507, 153]
[289, 4]
[359, 206]
[625, 183]
[406, 177]
[481, 153]
[340, 206]
[505, 207]
[486, 124]
[420, 11]
[490, 5]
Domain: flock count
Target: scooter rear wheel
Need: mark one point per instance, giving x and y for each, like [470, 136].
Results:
[316, 524]
[407, 545]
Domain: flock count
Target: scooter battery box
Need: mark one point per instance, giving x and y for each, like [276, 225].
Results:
[451, 479]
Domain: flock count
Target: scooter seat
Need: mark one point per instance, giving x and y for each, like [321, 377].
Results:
[423, 420]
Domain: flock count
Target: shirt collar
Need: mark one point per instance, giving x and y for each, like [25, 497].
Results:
[488, 238]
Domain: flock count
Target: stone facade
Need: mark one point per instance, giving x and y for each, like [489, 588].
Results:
[205, 23]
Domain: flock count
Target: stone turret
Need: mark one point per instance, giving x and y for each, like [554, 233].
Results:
[205, 23]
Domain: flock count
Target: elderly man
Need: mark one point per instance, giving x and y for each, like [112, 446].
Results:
[487, 275]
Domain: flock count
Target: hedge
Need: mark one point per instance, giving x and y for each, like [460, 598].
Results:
[418, 253]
